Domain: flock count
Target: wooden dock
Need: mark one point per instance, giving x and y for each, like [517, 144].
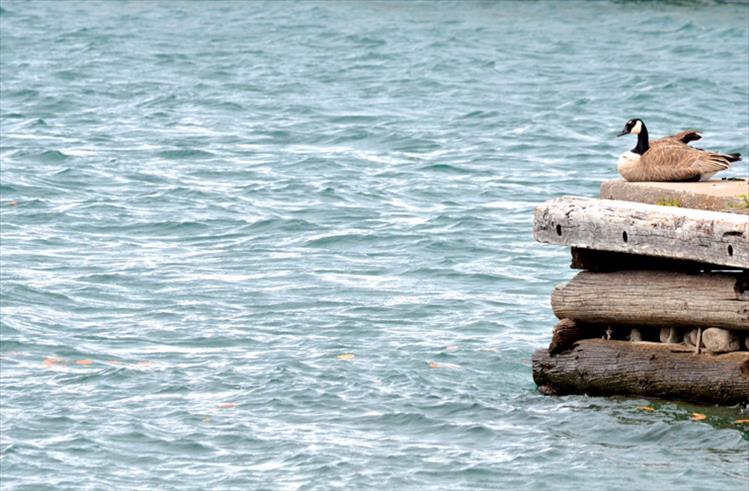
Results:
[661, 308]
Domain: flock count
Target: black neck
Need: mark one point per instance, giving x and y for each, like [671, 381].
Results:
[642, 141]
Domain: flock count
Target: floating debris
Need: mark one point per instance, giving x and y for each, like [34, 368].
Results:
[51, 361]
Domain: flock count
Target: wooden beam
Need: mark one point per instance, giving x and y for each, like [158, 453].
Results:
[655, 298]
[662, 231]
[600, 367]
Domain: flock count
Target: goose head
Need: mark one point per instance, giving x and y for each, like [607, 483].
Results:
[633, 127]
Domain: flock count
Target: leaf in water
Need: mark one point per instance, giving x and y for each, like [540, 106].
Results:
[434, 364]
[742, 421]
[84, 362]
[346, 356]
[51, 361]
[698, 417]
[226, 405]
[646, 408]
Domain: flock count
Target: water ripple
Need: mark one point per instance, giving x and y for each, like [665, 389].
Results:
[261, 245]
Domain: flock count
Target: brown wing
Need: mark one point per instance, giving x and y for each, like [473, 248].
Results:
[670, 160]
[685, 136]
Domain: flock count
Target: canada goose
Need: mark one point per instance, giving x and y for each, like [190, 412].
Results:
[670, 158]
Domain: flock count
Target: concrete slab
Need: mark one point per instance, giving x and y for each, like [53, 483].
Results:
[728, 196]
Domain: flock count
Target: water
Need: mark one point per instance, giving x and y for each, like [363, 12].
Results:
[288, 245]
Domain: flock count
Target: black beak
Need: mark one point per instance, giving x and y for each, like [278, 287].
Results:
[625, 131]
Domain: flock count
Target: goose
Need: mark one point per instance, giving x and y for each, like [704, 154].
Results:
[670, 158]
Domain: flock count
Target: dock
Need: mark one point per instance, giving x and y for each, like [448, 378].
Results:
[660, 307]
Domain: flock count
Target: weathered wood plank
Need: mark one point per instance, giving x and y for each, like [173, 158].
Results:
[655, 298]
[600, 367]
[651, 230]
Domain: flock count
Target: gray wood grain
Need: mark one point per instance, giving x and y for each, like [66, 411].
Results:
[652, 230]
[655, 298]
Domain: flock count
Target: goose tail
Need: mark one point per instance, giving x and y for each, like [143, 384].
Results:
[733, 157]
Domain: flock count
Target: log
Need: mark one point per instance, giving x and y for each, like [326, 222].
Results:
[656, 299]
[603, 368]
[662, 231]
[567, 332]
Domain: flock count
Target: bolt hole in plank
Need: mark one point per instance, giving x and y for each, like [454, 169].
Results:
[559, 230]
[624, 236]
[730, 250]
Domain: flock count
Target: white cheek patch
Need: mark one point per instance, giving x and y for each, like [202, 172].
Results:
[637, 128]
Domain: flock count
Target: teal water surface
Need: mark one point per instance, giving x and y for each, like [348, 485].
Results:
[287, 245]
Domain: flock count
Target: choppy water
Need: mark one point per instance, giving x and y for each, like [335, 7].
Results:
[204, 205]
